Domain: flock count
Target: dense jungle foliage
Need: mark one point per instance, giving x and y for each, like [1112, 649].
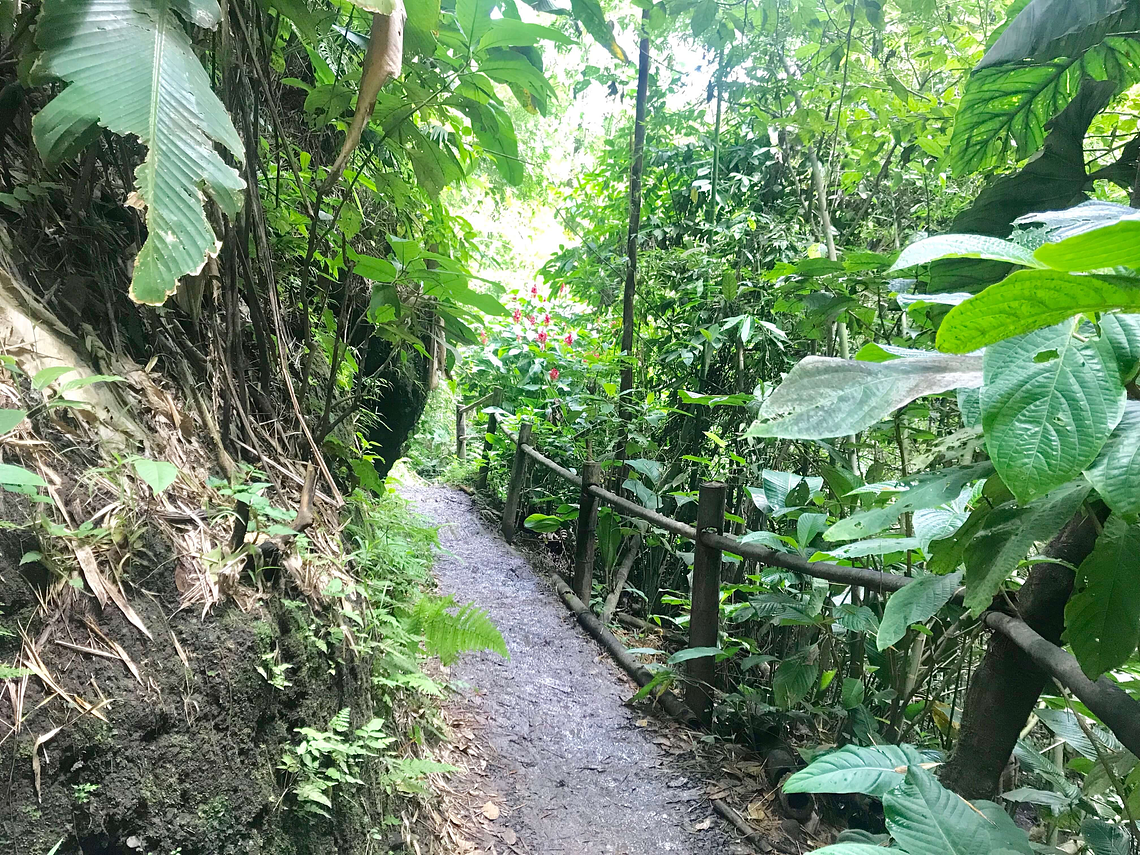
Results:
[872, 263]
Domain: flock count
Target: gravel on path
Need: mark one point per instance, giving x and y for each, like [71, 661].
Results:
[576, 772]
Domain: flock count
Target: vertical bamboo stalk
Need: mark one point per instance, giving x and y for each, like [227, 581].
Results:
[460, 432]
[514, 491]
[587, 538]
[704, 618]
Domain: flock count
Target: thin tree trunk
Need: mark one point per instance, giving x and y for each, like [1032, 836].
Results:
[619, 579]
[716, 136]
[1005, 688]
[635, 172]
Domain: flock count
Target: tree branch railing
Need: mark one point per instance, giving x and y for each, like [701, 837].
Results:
[1103, 697]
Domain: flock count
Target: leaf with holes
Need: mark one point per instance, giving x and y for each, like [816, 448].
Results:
[1049, 404]
[164, 97]
[1102, 618]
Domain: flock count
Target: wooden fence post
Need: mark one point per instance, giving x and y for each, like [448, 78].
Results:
[514, 491]
[460, 432]
[704, 619]
[587, 538]
[483, 472]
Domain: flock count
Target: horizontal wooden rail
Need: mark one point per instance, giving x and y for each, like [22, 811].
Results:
[1104, 698]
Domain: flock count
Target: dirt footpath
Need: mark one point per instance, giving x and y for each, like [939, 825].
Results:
[574, 769]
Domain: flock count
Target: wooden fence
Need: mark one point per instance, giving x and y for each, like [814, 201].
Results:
[1103, 697]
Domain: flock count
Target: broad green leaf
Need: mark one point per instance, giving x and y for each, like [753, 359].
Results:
[918, 602]
[651, 469]
[1065, 726]
[772, 496]
[1117, 245]
[89, 380]
[376, 269]
[1116, 472]
[853, 849]
[419, 30]
[1045, 29]
[794, 679]
[1005, 836]
[1029, 300]
[590, 15]
[1123, 334]
[856, 618]
[506, 32]
[1085, 217]
[933, 524]
[693, 653]
[1104, 838]
[46, 376]
[10, 418]
[157, 473]
[544, 523]
[485, 303]
[18, 476]
[474, 18]
[872, 771]
[823, 397]
[925, 817]
[964, 246]
[516, 70]
[161, 95]
[1041, 766]
[1007, 536]
[875, 546]
[929, 490]
[1049, 403]
[1102, 618]
[1004, 111]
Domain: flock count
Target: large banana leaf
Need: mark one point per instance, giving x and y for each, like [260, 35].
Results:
[130, 67]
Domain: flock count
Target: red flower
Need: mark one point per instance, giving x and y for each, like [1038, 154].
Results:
[518, 337]
[542, 337]
[546, 318]
[516, 316]
[534, 290]
[483, 337]
[562, 290]
[553, 373]
[530, 320]
[569, 338]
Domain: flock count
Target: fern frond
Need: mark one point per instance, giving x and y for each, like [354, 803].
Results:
[446, 635]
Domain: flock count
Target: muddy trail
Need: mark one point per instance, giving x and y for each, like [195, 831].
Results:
[575, 769]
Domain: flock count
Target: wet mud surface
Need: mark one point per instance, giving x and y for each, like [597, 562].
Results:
[577, 770]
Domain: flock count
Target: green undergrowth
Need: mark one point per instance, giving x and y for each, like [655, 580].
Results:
[390, 621]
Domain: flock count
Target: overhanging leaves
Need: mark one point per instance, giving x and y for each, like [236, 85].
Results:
[1045, 29]
[1029, 300]
[1102, 619]
[1049, 403]
[823, 397]
[1116, 472]
[923, 816]
[918, 602]
[1007, 536]
[589, 13]
[163, 96]
[1004, 111]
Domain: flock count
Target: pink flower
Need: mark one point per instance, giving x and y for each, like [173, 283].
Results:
[562, 290]
[534, 290]
[530, 320]
[546, 318]
[542, 337]
[518, 337]
[553, 373]
[569, 338]
[516, 316]
[483, 337]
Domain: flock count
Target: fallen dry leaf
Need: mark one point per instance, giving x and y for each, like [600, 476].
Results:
[491, 811]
